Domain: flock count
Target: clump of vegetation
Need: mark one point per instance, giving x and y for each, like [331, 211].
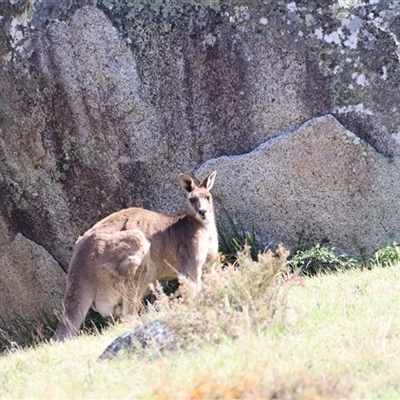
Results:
[233, 238]
[320, 259]
[314, 260]
[244, 295]
[387, 256]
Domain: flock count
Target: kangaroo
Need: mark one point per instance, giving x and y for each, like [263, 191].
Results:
[114, 262]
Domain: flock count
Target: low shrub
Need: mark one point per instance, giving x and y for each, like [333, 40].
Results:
[389, 255]
[320, 259]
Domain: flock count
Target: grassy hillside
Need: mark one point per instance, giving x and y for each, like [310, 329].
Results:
[329, 336]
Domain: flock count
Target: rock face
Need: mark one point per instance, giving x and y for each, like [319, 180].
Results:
[102, 105]
[31, 280]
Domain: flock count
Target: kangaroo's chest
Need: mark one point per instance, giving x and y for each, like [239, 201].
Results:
[212, 242]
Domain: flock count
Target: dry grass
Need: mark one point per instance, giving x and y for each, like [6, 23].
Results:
[330, 337]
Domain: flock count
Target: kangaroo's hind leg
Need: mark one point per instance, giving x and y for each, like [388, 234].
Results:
[81, 287]
[134, 271]
[77, 301]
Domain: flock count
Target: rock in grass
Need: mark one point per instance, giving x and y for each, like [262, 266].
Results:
[153, 337]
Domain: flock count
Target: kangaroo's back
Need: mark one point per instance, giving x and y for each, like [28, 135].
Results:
[114, 261]
[148, 221]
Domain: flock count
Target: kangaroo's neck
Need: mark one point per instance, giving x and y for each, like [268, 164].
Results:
[187, 225]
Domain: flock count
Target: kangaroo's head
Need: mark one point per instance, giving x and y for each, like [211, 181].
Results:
[199, 198]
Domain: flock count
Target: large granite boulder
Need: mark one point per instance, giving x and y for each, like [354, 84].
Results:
[320, 183]
[103, 104]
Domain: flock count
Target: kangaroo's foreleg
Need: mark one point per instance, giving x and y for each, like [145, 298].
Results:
[190, 265]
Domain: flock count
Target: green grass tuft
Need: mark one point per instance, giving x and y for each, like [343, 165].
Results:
[19, 332]
[233, 238]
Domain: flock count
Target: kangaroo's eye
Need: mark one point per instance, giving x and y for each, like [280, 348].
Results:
[191, 200]
[208, 198]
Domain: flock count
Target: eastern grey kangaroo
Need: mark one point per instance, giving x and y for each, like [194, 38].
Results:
[114, 262]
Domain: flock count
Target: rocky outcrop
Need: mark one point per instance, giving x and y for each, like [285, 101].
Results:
[102, 105]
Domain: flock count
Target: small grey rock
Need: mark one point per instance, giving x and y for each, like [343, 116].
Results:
[153, 336]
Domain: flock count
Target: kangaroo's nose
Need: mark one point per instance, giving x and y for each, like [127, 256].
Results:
[202, 213]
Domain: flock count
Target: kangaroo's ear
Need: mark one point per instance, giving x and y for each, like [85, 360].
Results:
[186, 182]
[208, 181]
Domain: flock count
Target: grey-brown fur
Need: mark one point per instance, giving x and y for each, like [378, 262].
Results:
[114, 262]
